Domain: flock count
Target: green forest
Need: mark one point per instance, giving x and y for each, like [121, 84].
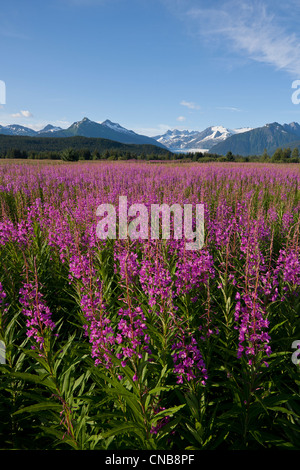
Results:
[86, 148]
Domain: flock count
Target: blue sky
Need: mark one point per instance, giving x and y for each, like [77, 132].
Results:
[150, 65]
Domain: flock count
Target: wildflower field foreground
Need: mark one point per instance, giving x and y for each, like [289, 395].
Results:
[142, 344]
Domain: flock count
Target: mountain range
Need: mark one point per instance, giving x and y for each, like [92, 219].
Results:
[185, 140]
[215, 139]
[243, 141]
[256, 141]
[85, 128]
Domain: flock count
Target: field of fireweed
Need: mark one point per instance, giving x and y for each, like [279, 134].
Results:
[142, 344]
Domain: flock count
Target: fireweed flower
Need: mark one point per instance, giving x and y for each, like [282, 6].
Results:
[6, 230]
[97, 324]
[80, 267]
[18, 233]
[287, 221]
[161, 422]
[188, 361]
[150, 270]
[288, 269]
[60, 235]
[230, 223]
[193, 271]
[155, 280]
[269, 285]
[251, 252]
[39, 323]
[208, 330]
[272, 215]
[127, 339]
[126, 262]
[2, 293]
[253, 325]
[98, 329]
[132, 336]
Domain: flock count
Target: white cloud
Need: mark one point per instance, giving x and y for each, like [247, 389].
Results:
[23, 113]
[254, 28]
[26, 114]
[181, 118]
[38, 125]
[229, 108]
[62, 123]
[189, 104]
[153, 131]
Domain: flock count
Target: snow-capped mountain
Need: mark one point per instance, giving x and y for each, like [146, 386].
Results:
[106, 130]
[268, 137]
[185, 140]
[216, 139]
[85, 128]
[49, 129]
[116, 127]
[15, 129]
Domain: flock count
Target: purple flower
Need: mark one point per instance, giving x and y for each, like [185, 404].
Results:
[188, 361]
[253, 324]
[2, 293]
[39, 318]
[161, 422]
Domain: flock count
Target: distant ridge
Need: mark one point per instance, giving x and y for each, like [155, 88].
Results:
[219, 140]
[85, 128]
[37, 144]
[256, 141]
[188, 140]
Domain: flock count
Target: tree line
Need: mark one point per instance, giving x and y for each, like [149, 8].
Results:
[71, 154]
[280, 155]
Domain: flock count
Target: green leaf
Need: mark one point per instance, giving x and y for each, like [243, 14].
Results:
[43, 379]
[168, 412]
[123, 428]
[281, 409]
[39, 407]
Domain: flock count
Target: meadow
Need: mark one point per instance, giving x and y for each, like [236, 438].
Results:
[142, 344]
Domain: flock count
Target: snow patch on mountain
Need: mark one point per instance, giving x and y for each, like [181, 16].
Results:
[49, 129]
[116, 127]
[16, 129]
[185, 140]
